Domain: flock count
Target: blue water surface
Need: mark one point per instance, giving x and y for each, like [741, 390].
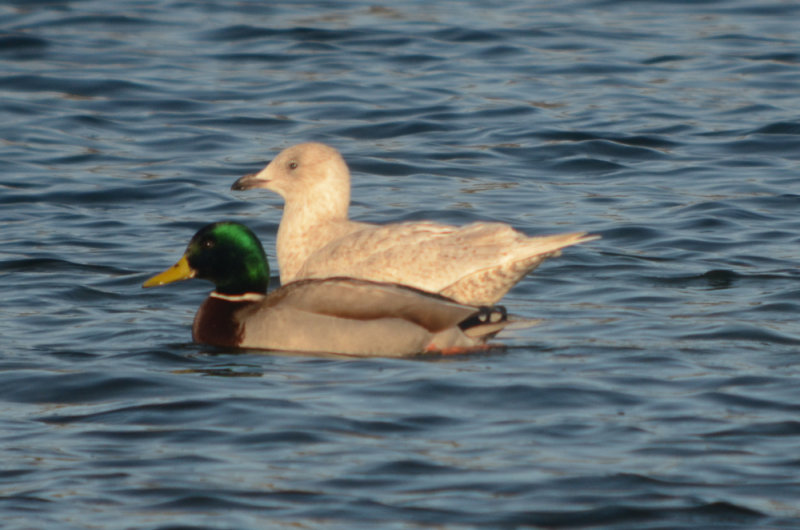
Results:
[659, 390]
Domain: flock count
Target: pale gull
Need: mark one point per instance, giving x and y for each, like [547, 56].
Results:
[473, 264]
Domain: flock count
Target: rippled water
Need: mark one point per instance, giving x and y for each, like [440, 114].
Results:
[659, 391]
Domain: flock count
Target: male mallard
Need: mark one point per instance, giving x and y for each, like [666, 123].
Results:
[336, 315]
[475, 264]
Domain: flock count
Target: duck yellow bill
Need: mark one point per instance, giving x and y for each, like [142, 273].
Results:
[179, 271]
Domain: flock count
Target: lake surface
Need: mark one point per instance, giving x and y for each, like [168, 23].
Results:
[660, 389]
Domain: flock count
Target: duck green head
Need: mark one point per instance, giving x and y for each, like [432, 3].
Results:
[227, 254]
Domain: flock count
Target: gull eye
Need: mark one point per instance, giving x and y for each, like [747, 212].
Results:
[292, 165]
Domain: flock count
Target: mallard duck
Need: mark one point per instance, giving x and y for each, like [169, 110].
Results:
[336, 315]
[474, 264]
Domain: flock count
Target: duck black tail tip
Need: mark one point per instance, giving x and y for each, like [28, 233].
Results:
[485, 315]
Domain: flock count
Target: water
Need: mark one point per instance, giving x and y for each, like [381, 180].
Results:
[658, 392]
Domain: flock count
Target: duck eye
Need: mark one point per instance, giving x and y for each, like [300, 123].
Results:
[292, 165]
[208, 243]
